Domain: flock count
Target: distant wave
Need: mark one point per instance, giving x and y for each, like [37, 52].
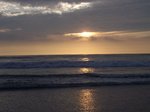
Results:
[59, 64]
[24, 81]
[137, 74]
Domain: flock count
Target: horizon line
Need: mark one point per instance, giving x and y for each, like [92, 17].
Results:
[72, 54]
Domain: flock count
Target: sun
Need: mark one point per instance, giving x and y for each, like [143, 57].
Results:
[83, 35]
[86, 34]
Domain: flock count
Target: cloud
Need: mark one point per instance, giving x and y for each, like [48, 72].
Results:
[114, 35]
[101, 16]
[4, 30]
[11, 9]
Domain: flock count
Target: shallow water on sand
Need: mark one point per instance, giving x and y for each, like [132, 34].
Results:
[94, 99]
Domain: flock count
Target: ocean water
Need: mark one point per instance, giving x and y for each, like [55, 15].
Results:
[74, 64]
[81, 69]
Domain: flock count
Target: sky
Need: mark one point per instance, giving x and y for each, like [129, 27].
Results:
[37, 27]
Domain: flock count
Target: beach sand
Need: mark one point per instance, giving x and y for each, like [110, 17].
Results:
[127, 98]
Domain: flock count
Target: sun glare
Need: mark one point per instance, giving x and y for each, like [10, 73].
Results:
[83, 35]
[86, 34]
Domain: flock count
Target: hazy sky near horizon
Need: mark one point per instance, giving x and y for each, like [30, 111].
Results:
[40, 26]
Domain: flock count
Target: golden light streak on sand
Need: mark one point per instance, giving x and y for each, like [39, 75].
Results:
[86, 100]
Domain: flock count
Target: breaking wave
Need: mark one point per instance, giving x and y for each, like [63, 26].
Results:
[94, 64]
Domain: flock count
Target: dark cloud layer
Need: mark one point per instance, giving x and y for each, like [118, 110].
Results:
[105, 15]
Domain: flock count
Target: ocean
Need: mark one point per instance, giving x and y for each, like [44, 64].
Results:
[73, 70]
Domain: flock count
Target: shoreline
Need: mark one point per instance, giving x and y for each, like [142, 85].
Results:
[82, 99]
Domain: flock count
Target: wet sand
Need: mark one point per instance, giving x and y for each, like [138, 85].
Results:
[129, 98]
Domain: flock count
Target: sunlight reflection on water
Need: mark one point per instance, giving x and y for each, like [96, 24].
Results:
[86, 100]
[85, 59]
[86, 70]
